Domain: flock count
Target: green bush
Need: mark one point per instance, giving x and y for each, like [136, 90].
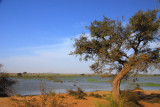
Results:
[5, 84]
[79, 94]
[127, 99]
[19, 74]
[130, 99]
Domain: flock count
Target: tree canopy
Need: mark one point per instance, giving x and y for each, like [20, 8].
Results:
[113, 43]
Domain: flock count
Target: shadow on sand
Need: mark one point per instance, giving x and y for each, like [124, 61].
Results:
[149, 98]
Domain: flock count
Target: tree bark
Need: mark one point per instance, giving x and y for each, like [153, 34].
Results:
[117, 81]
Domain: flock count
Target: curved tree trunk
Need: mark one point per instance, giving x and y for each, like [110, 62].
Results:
[117, 81]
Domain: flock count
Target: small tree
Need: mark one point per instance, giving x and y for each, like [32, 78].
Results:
[122, 48]
[5, 84]
[19, 74]
[24, 72]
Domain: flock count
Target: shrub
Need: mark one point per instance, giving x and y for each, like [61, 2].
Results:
[79, 94]
[137, 87]
[71, 92]
[112, 102]
[19, 74]
[82, 74]
[127, 99]
[100, 104]
[95, 95]
[24, 72]
[130, 98]
[5, 84]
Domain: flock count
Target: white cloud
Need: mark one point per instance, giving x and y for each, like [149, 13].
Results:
[53, 58]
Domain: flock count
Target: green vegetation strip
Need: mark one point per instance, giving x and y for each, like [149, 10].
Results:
[69, 77]
[52, 75]
[49, 76]
[149, 84]
[95, 80]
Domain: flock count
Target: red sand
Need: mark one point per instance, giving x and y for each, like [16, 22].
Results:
[70, 101]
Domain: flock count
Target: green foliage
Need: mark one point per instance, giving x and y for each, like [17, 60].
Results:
[127, 99]
[5, 84]
[112, 102]
[99, 104]
[82, 74]
[24, 72]
[19, 74]
[150, 84]
[110, 41]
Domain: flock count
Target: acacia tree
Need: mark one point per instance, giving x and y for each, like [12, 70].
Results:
[121, 48]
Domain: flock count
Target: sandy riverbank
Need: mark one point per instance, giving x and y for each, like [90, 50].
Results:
[148, 99]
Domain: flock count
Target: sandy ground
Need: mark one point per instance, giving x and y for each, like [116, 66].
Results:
[148, 99]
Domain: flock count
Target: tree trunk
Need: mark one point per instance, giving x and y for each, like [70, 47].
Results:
[117, 81]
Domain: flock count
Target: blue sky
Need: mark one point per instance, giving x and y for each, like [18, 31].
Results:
[36, 34]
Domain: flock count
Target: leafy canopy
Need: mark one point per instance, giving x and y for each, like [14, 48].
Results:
[111, 44]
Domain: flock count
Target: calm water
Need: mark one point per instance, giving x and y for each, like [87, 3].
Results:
[33, 86]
